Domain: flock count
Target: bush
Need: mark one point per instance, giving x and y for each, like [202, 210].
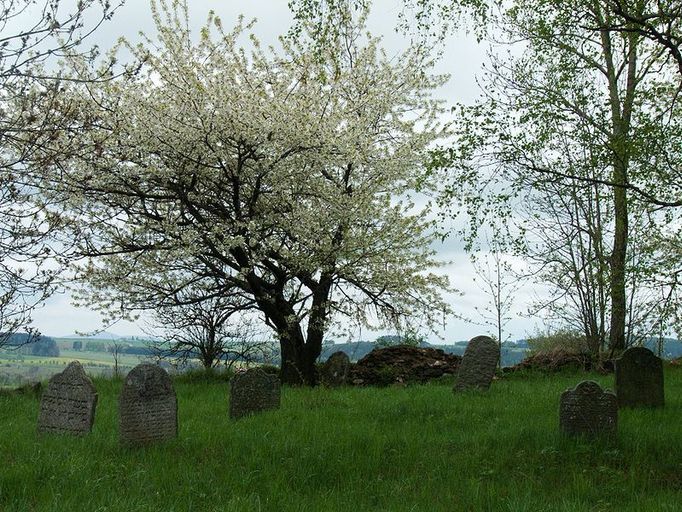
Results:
[562, 340]
[411, 338]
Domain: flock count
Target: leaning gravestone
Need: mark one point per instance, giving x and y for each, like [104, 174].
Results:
[68, 403]
[253, 391]
[335, 371]
[148, 407]
[478, 364]
[588, 410]
[639, 379]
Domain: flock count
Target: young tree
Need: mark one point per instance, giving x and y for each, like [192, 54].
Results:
[285, 177]
[496, 279]
[210, 330]
[115, 348]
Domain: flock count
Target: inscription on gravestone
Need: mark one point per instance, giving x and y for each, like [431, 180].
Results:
[68, 403]
[478, 364]
[639, 379]
[335, 369]
[253, 391]
[148, 407]
[588, 410]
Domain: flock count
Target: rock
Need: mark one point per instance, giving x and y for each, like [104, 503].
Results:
[401, 364]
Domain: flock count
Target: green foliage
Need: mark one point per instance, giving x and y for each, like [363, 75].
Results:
[414, 449]
[411, 338]
[564, 340]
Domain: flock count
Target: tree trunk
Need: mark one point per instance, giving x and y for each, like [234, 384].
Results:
[621, 116]
[618, 259]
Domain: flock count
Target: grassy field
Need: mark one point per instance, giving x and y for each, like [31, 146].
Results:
[395, 449]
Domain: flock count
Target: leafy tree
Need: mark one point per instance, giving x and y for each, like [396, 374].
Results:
[579, 105]
[284, 177]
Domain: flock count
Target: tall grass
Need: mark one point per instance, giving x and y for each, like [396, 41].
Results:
[419, 448]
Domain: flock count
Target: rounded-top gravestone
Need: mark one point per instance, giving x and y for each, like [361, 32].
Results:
[148, 407]
[335, 370]
[588, 410]
[478, 364]
[68, 403]
[253, 391]
[639, 379]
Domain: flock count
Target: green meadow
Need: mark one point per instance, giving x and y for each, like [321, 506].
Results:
[418, 448]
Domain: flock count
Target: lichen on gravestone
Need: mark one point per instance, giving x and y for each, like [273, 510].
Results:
[68, 404]
[588, 410]
[148, 410]
[253, 391]
[478, 364]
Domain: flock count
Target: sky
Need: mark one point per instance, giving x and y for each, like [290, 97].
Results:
[462, 59]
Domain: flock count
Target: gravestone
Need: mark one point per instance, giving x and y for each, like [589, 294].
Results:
[639, 379]
[478, 364]
[253, 391]
[335, 370]
[588, 410]
[148, 407]
[68, 403]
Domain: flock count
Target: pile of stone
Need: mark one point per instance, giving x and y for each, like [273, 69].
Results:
[556, 361]
[402, 364]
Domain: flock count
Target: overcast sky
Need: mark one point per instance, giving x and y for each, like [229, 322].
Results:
[463, 58]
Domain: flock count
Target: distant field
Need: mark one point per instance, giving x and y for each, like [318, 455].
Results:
[16, 368]
[418, 448]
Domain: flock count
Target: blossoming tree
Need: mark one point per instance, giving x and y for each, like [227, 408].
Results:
[286, 177]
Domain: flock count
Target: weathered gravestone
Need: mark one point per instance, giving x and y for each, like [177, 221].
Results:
[335, 371]
[478, 364]
[68, 403]
[148, 407]
[588, 410]
[639, 379]
[253, 391]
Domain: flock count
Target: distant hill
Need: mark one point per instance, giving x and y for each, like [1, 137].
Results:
[104, 335]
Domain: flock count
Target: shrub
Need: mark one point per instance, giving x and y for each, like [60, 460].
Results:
[562, 340]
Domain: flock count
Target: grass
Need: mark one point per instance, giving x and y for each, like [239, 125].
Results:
[419, 448]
